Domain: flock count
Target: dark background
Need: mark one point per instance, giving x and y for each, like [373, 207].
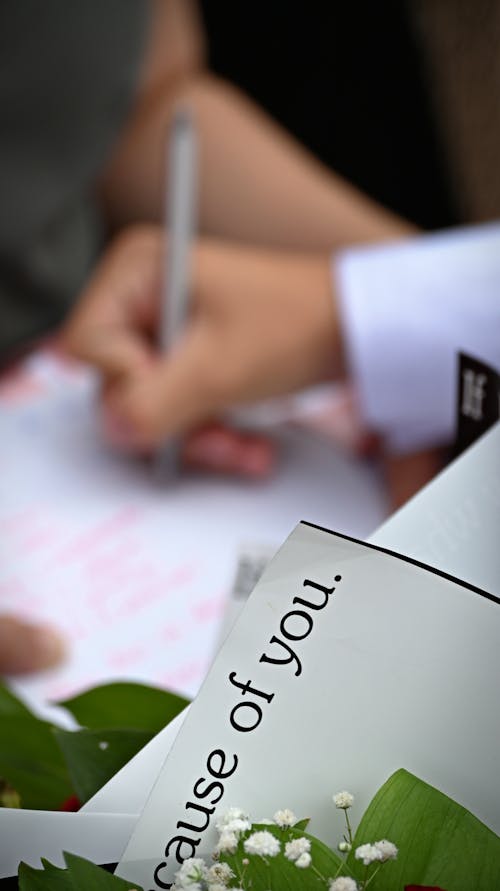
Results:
[348, 80]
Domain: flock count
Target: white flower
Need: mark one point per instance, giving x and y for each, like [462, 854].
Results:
[226, 817]
[285, 818]
[343, 800]
[216, 886]
[343, 883]
[368, 854]
[220, 872]
[262, 843]
[191, 873]
[387, 850]
[303, 861]
[294, 849]
[344, 847]
[238, 826]
[227, 844]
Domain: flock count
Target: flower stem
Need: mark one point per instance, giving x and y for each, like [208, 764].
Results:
[349, 830]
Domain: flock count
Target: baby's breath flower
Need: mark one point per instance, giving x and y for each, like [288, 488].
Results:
[343, 883]
[237, 825]
[220, 872]
[285, 818]
[191, 874]
[264, 843]
[294, 849]
[303, 861]
[344, 847]
[227, 844]
[227, 817]
[343, 800]
[368, 854]
[387, 850]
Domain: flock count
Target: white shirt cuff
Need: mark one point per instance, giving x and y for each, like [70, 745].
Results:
[408, 307]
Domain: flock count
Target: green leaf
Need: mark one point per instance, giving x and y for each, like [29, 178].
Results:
[50, 877]
[135, 706]
[31, 762]
[278, 872]
[80, 874]
[440, 842]
[94, 756]
[11, 705]
[302, 824]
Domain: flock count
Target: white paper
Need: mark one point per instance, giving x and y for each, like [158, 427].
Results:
[399, 668]
[136, 575]
[29, 835]
[454, 523]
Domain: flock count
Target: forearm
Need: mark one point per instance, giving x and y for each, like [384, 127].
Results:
[257, 184]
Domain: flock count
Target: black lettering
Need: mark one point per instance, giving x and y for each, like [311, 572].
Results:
[247, 688]
[182, 840]
[219, 774]
[291, 656]
[204, 810]
[302, 614]
[157, 879]
[326, 592]
[242, 727]
[208, 790]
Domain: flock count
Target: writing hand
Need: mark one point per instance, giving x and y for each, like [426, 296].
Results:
[262, 323]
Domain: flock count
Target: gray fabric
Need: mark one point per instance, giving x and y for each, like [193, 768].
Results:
[68, 69]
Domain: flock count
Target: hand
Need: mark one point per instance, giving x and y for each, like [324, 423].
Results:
[262, 323]
[25, 647]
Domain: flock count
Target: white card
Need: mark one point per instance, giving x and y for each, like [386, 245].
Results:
[29, 835]
[454, 522]
[397, 659]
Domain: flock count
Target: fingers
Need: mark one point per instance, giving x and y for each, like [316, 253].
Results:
[212, 448]
[167, 398]
[25, 647]
[114, 351]
[221, 450]
[112, 327]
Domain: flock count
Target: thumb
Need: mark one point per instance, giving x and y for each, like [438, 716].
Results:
[25, 647]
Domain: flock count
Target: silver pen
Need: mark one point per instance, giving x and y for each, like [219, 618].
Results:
[180, 202]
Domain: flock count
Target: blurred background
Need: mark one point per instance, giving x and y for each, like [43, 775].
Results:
[401, 97]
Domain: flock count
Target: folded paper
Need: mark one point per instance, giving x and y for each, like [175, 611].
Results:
[347, 663]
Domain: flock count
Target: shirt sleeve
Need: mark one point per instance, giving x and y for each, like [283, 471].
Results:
[407, 309]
